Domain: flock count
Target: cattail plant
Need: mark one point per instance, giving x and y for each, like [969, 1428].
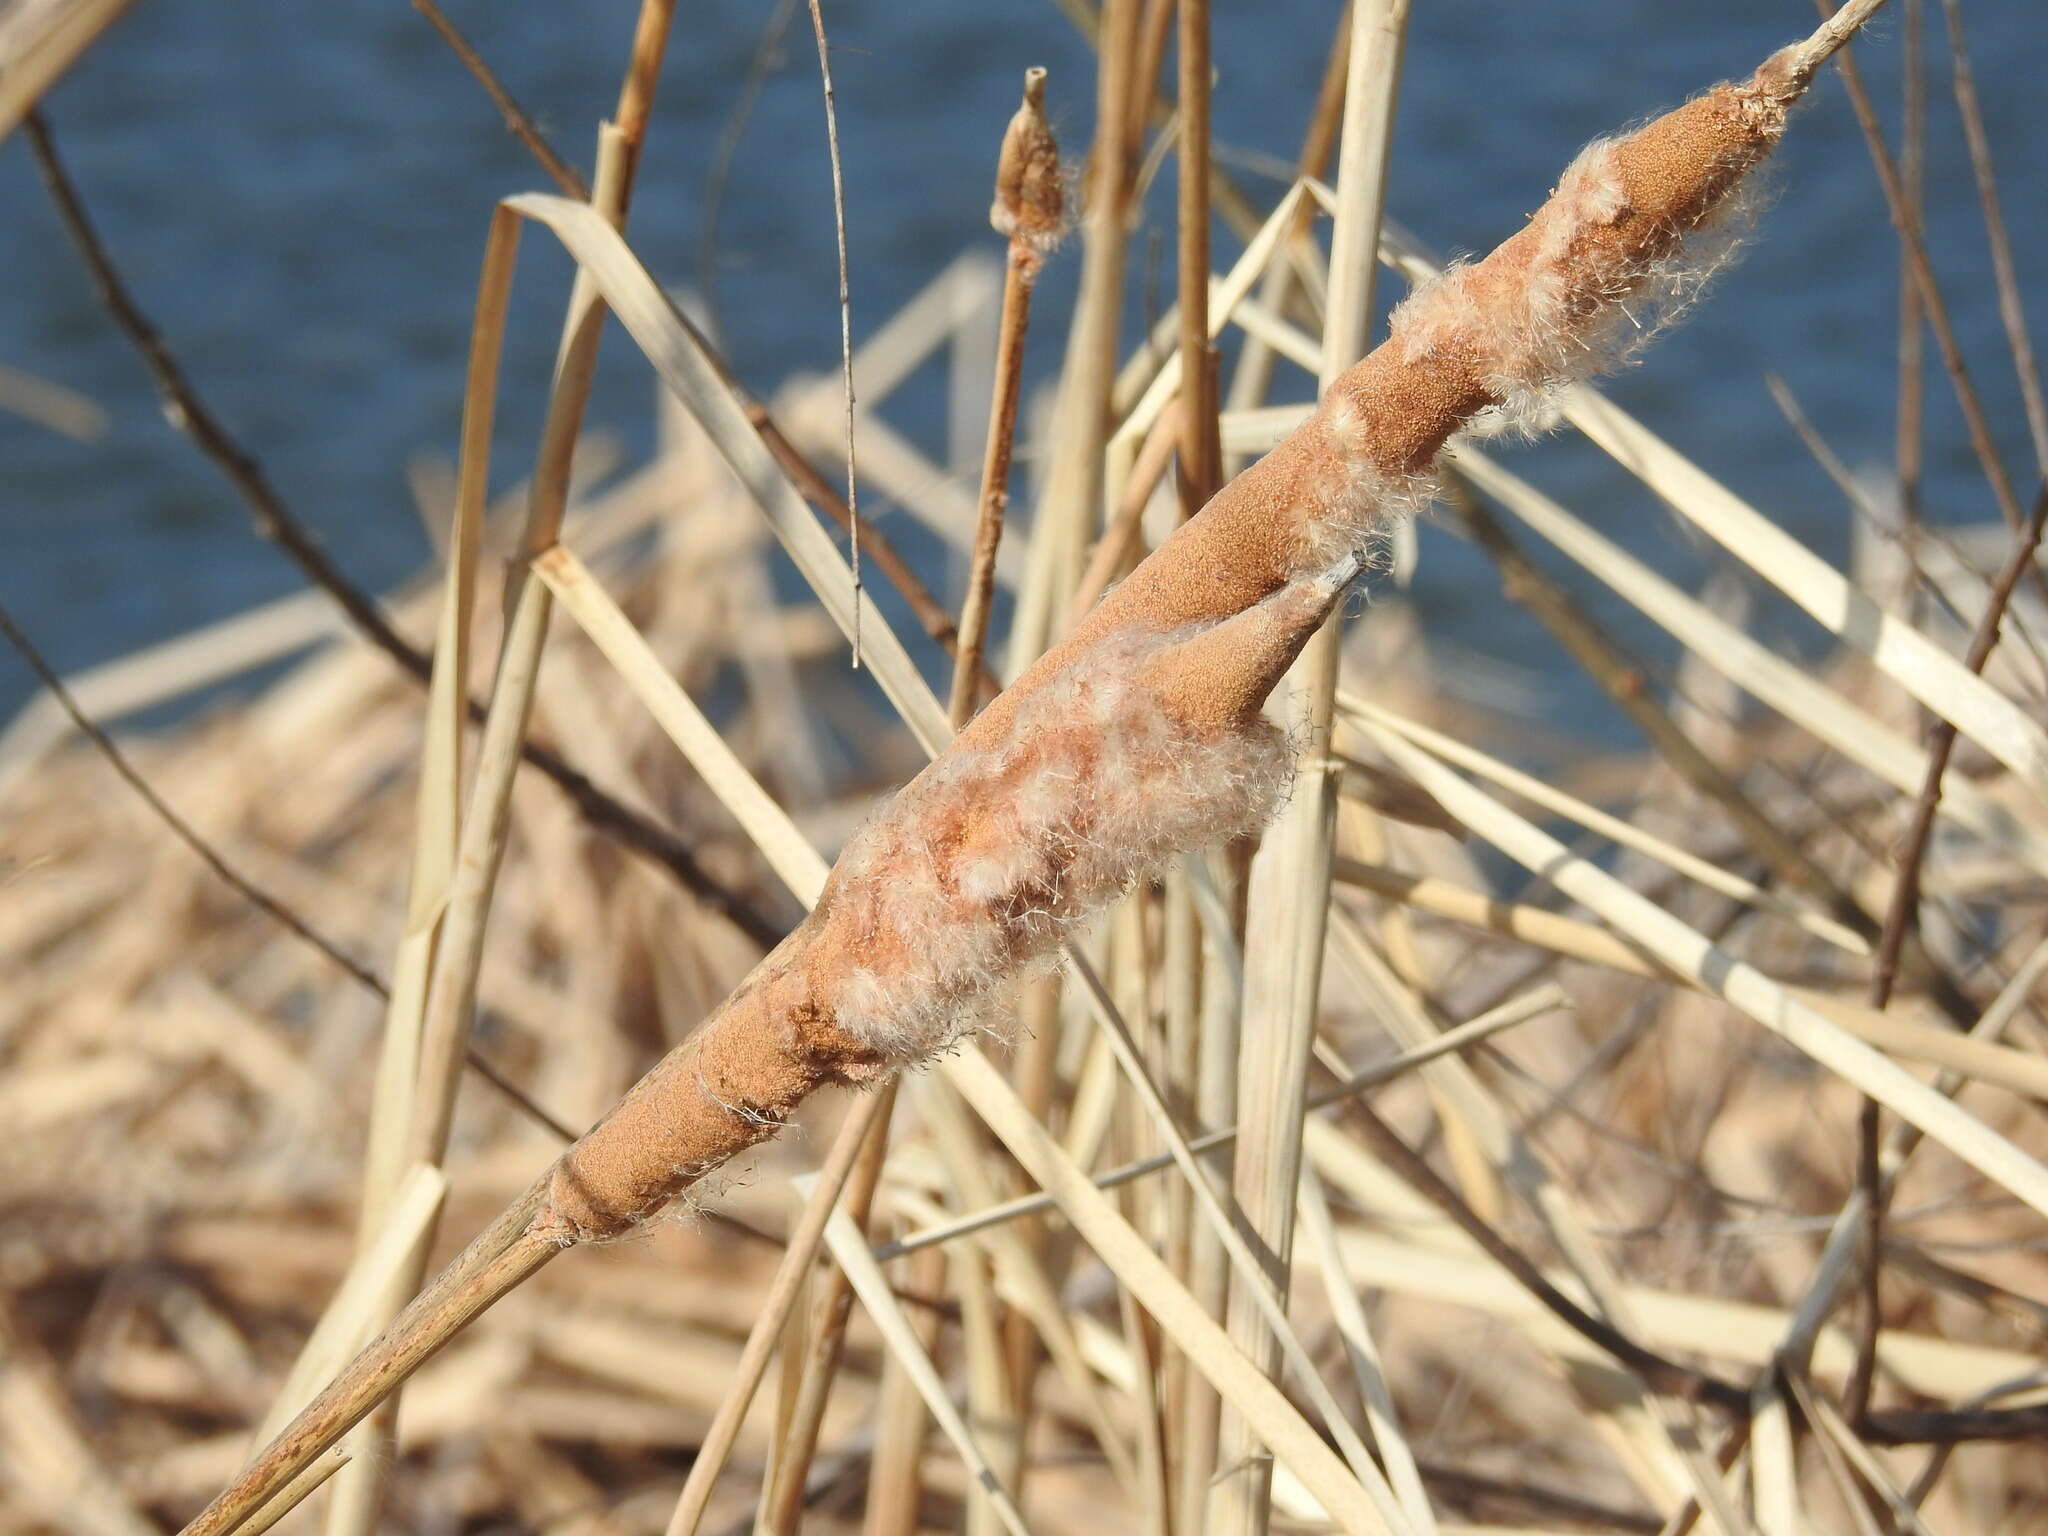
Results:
[1140, 735]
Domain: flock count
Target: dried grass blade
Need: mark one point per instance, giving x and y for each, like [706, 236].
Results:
[1225, 298]
[1623, 833]
[1022, 1270]
[1268, 1303]
[786, 849]
[1289, 897]
[1366, 1371]
[1773, 1463]
[1926, 671]
[847, 1246]
[295, 1493]
[1681, 947]
[1518, 1010]
[1139, 1269]
[350, 1316]
[648, 316]
[1762, 673]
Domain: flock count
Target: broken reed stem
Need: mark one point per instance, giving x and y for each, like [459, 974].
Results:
[1029, 209]
[1137, 737]
[1071, 504]
[457, 957]
[1201, 445]
[783, 1500]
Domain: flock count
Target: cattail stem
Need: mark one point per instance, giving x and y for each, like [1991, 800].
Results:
[501, 1258]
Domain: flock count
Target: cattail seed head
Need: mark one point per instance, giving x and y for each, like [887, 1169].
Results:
[1140, 734]
[1030, 202]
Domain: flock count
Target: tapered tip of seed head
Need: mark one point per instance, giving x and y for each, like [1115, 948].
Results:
[1219, 677]
[1030, 202]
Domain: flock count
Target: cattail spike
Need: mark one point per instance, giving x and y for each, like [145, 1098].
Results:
[1030, 202]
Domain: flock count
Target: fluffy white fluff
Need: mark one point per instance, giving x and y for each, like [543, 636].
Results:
[1573, 315]
[966, 883]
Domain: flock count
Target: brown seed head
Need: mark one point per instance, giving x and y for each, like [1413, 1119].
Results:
[1030, 205]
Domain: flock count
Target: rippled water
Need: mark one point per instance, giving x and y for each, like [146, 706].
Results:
[299, 194]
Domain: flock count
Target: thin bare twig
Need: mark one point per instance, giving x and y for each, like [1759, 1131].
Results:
[517, 121]
[845, 306]
[1914, 249]
[182, 829]
[1657, 1372]
[930, 613]
[2010, 309]
[767, 50]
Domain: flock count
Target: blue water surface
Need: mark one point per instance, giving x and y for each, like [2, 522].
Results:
[298, 195]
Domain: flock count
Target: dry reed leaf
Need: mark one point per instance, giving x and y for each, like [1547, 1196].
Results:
[1772, 679]
[1368, 1374]
[788, 852]
[1683, 949]
[644, 310]
[1438, 1263]
[844, 1239]
[1226, 297]
[1623, 833]
[1909, 658]
[295, 1493]
[1773, 1462]
[1131, 1259]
